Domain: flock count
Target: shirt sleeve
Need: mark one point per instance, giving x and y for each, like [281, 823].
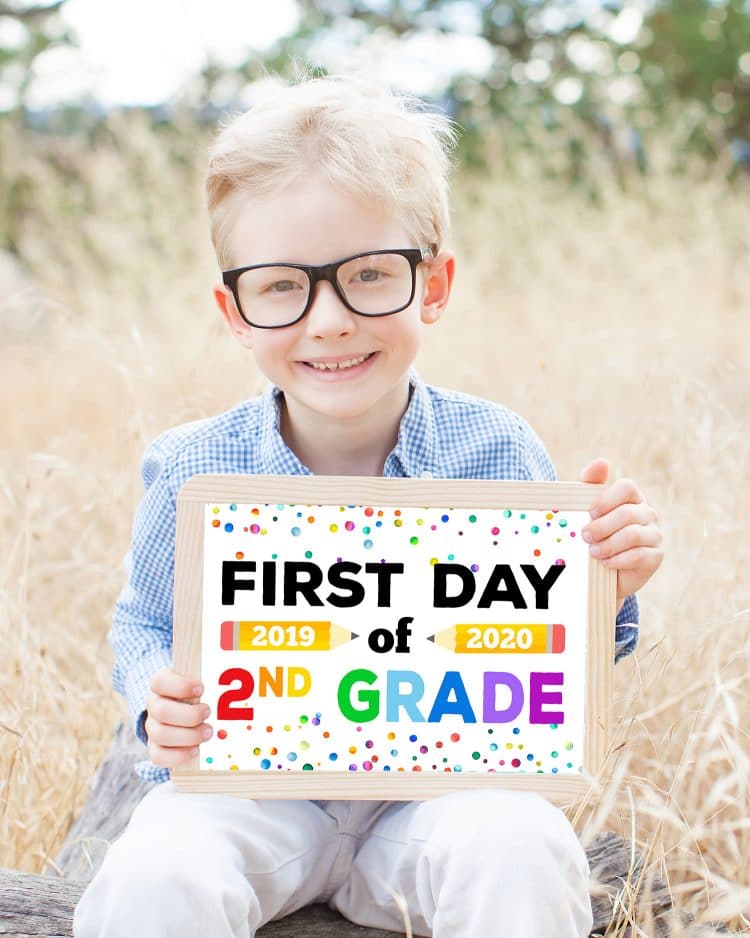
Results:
[539, 468]
[626, 628]
[536, 465]
[141, 632]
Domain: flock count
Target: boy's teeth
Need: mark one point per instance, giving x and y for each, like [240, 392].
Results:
[334, 366]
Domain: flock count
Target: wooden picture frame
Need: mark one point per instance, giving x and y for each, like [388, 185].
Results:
[221, 518]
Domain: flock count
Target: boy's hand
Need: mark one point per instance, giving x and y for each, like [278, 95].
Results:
[174, 728]
[623, 532]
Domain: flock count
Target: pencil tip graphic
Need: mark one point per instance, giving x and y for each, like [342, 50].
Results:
[430, 638]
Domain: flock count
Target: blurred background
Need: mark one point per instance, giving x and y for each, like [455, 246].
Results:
[600, 220]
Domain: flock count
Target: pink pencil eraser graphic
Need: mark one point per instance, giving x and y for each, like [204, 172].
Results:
[227, 636]
[558, 638]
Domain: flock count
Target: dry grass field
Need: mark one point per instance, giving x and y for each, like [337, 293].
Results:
[620, 330]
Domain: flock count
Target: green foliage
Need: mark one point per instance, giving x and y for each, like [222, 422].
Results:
[576, 70]
[574, 86]
[34, 20]
[695, 57]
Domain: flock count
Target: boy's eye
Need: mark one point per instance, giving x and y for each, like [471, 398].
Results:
[368, 275]
[282, 286]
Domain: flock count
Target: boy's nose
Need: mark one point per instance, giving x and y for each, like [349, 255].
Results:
[327, 315]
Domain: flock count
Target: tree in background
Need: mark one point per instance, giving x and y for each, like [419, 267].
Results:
[561, 78]
[26, 30]
[614, 71]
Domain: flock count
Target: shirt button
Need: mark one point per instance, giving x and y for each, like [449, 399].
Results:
[426, 474]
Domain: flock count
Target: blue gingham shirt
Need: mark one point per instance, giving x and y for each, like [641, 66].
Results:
[443, 434]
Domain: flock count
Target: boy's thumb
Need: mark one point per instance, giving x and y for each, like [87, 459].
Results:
[596, 472]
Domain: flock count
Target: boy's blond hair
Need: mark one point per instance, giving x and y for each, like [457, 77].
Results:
[379, 146]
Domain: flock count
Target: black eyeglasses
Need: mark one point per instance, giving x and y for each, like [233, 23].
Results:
[376, 283]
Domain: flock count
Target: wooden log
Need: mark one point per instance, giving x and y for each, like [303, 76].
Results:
[43, 904]
[32, 905]
[37, 905]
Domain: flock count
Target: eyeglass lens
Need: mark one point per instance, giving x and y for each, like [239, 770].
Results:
[373, 285]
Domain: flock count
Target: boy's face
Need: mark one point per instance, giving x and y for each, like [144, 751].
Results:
[316, 223]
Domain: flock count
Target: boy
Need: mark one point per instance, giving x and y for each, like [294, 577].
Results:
[328, 209]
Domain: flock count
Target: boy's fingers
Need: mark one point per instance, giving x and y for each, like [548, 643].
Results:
[625, 539]
[645, 560]
[621, 517]
[168, 683]
[175, 713]
[622, 492]
[170, 758]
[175, 737]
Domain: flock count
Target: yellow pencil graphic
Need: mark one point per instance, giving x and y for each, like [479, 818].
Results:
[493, 639]
[283, 636]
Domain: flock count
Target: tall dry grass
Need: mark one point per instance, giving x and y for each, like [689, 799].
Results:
[619, 330]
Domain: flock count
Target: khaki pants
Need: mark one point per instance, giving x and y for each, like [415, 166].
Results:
[484, 864]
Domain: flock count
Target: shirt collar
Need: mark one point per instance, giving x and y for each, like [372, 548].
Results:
[275, 456]
[415, 454]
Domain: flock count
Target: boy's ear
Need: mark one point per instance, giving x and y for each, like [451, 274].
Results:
[437, 287]
[228, 308]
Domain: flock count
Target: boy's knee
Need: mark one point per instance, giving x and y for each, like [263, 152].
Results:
[166, 892]
[514, 827]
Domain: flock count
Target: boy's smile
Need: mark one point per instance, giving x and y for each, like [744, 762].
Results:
[344, 375]
[336, 367]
